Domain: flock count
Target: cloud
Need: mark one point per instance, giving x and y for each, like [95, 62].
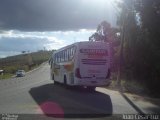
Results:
[19, 41]
[4, 54]
[13, 42]
[54, 15]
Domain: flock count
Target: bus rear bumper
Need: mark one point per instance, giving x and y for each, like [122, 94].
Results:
[96, 83]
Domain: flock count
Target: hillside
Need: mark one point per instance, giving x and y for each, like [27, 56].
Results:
[23, 61]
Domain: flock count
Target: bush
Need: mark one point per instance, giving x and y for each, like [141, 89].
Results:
[10, 69]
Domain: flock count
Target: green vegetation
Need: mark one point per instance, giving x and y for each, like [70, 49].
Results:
[137, 58]
[141, 43]
[26, 62]
[5, 76]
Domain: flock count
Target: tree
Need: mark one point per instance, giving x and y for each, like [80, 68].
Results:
[142, 44]
[105, 33]
[128, 30]
[149, 11]
[96, 37]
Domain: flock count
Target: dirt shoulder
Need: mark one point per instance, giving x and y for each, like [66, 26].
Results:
[146, 104]
[139, 99]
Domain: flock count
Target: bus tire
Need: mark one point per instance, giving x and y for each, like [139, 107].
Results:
[65, 80]
[55, 82]
[53, 77]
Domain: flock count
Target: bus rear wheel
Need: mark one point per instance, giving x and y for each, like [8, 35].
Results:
[53, 77]
[55, 82]
[65, 80]
[65, 83]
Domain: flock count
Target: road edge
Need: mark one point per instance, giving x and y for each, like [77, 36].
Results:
[32, 69]
[138, 109]
[37, 67]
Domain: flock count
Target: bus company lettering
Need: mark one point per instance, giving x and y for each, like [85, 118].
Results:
[95, 56]
[94, 51]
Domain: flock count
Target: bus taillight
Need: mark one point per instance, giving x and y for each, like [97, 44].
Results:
[77, 73]
[108, 74]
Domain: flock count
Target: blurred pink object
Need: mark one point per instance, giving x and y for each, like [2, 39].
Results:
[52, 109]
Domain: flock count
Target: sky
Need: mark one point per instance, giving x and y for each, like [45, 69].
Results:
[32, 25]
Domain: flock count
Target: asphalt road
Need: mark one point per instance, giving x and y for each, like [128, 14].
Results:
[35, 95]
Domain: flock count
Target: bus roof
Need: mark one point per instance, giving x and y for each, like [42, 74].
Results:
[76, 43]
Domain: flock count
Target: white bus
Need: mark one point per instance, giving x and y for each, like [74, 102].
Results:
[82, 64]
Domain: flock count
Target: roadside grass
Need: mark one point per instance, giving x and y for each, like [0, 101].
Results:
[25, 62]
[136, 91]
[130, 87]
[135, 87]
[11, 70]
[6, 76]
[34, 67]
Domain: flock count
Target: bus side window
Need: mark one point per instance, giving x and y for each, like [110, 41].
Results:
[70, 52]
[55, 58]
[66, 55]
[74, 50]
[64, 52]
[58, 57]
[62, 56]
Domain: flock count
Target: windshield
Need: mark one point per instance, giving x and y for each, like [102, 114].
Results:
[79, 59]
